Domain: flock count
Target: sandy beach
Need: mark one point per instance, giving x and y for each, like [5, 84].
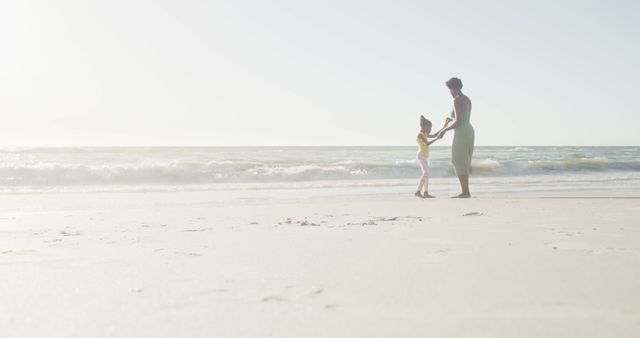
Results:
[256, 169]
[397, 267]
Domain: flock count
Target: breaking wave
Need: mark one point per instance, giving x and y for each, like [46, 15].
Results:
[187, 166]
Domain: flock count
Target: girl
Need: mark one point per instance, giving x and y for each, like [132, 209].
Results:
[423, 156]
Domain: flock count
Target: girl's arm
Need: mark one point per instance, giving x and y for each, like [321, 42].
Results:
[432, 141]
[425, 141]
[446, 123]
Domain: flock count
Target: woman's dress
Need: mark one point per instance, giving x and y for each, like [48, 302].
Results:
[463, 142]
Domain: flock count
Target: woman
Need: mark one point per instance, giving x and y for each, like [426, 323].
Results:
[463, 137]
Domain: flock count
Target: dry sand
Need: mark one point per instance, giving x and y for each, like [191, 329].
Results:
[362, 268]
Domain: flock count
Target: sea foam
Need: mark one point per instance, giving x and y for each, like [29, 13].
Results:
[64, 167]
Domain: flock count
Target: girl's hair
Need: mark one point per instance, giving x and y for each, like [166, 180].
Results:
[454, 83]
[424, 123]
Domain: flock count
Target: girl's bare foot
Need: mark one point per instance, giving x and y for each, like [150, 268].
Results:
[418, 194]
[462, 195]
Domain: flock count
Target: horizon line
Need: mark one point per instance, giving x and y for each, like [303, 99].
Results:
[288, 146]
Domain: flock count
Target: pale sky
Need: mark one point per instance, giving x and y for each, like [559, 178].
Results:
[142, 72]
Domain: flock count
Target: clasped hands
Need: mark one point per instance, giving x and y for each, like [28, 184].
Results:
[440, 134]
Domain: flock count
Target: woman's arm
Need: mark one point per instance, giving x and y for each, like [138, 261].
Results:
[458, 106]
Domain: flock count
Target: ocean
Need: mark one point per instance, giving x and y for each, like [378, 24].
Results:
[270, 172]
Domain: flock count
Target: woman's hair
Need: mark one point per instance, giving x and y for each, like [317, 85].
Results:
[454, 83]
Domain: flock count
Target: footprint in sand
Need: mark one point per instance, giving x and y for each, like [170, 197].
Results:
[273, 299]
[197, 230]
[440, 251]
[292, 292]
[16, 252]
[363, 223]
[616, 251]
[220, 290]
[212, 291]
[307, 223]
[475, 213]
[585, 248]
[70, 233]
[570, 246]
[316, 292]
[187, 253]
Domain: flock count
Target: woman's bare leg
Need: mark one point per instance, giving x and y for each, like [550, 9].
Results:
[464, 184]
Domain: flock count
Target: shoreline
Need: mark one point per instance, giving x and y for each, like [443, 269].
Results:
[39, 201]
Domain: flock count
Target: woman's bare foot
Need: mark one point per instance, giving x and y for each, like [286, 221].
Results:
[418, 194]
[426, 195]
[462, 195]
